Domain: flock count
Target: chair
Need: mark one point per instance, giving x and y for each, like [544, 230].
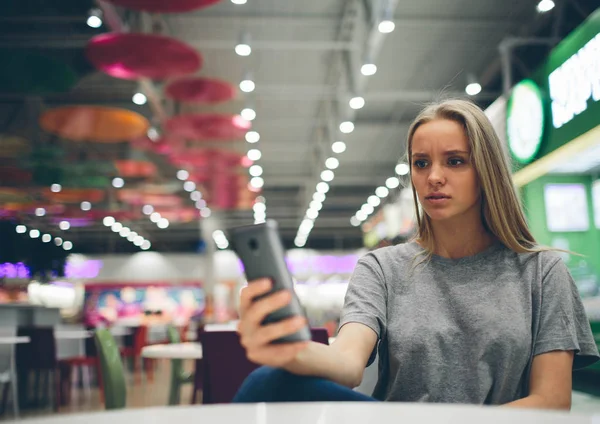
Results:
[178, 374]
[8, 375]
[39, 356]
[226, 366]
[111, 366]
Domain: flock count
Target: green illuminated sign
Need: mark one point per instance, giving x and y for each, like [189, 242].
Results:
[525, 121]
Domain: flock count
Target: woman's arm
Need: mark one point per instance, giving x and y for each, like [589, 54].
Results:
[550, 382]
[343, 362]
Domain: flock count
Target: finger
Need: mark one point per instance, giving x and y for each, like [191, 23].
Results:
[256, 313]
[286, 327]
[254, 289]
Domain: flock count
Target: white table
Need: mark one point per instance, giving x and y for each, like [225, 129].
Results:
[324, 413]
[72, 334]
[173, 351]
[14, 340]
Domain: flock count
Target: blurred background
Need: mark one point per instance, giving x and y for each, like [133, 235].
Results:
[135, 133]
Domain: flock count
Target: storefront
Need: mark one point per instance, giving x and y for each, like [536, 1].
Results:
[553, 135]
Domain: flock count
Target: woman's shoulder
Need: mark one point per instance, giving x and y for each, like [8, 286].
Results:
[544, 259]
[392, 256]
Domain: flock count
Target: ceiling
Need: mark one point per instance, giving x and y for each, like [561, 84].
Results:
[305, 62]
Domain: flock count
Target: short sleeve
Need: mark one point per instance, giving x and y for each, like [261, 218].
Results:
[366, 297]
[563, 322]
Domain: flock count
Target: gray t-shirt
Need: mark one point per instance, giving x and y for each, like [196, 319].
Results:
[465, 330]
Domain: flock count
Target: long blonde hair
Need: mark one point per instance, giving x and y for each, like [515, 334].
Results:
[501, 211]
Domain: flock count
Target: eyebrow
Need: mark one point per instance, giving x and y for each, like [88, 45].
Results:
[446, 153]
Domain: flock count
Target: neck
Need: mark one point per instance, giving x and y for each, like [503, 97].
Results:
[460, 239]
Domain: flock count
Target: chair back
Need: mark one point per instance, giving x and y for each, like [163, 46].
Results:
[6, 352]
[225, 365]
[111, 366]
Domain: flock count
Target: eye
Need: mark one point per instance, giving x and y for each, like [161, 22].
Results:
[456, 161]
[420, 164]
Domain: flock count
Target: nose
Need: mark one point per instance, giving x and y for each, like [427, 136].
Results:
[436, 175]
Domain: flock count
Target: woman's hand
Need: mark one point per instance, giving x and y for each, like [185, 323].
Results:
[257, 338]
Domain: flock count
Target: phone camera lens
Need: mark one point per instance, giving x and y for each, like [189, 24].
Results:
[253, 244]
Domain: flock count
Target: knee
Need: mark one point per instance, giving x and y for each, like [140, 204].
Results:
[264, 385]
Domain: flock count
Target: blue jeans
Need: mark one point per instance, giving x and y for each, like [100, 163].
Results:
[268, 384]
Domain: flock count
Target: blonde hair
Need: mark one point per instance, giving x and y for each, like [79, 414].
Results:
[501, 211]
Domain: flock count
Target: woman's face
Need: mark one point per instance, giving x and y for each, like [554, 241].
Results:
[444, 178]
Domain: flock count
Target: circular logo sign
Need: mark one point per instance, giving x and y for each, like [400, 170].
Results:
[525, 121]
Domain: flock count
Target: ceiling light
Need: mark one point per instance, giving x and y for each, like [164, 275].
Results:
[368, 209]
[46, 238]
[319, 197]
[361, 216]
[322, 187]
[58, 241]
[118, 182]
[473, 89]
[243, 49]
[163, 223]
[402, 169]
[327, 175]
[392, 182]
[252, 136]
[316, 205]
[139, 99]
[259, 207]
[182, 175]
[116, 227]
[332, 163]
[205, 212]
[239, 2]
[124, 232]
[300, 242]
[146, 245]
[40, 212]
[153, 134]
[138, 241]
[195, 195]
[338, 147]
[254, 154]
[247, 86]
[347, 127]
[108, 221]
[21, 229]
[155, 217]
[255, 170]
[64, 225]
[357, 102]
[368, 69]
[306, 226]
[354, 221]
[257, 182]
[67, 245]
[86, 206]
[248, 114]
[312, 214]
[189, 186]
[147, 209]
[131, 236]
[374, 201]
[94, 19]
[201, 204]
[382, 191]
[55, 188]
[386, 26]
[545, 6]
[34, 233]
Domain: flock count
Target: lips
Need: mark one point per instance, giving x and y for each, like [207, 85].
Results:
[437, 196]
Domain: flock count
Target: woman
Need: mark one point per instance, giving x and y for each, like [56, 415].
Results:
[472, 311]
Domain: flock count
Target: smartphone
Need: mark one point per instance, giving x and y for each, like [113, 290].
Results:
[260, 249]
